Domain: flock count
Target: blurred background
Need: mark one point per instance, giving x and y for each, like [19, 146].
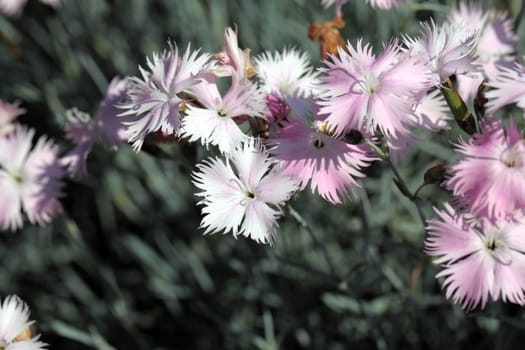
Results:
[126, 267]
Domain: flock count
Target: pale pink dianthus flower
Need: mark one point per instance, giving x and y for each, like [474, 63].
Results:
[496, 45]
[30, 179]
[490, 175]
[448, 49]
[155, 98]
[507, 87]
[310, 154]
[366, 93]
[480, 258]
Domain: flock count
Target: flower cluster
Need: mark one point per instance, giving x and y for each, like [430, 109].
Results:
[282, 126]
[279, 125]
[478, 238]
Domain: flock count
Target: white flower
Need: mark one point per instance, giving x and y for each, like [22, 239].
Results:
[15, 333]
[245, 199]
[215, 123]
[287, 73]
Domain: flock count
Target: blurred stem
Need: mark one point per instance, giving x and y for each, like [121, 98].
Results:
[379, 151]
[414, 6]
[519, 17]
[403, 188]
[398, 180]
[300, 266]
[416, 194]
[316, 240]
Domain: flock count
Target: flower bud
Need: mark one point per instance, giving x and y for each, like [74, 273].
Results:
[459, 109]
[436, 174]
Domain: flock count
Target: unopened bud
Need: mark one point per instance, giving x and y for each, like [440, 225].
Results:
[480, 100]
[436, 174]
[353, 137]
[459, 109]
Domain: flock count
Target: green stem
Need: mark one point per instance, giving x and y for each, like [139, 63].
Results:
[428, 6]
[519, 17]
[316, 240]
[376, 149]
[403, 188]
[416, 194]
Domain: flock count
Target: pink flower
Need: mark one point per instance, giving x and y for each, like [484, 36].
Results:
[365, 92]
[81, 130]
[109, 126]
[216, 122]
[278, 109]
[246, 198]
[286, 73]
[30, 179]
[449, 49]
[8, 113]
[489, 177]
[14, 325]
[311, 155]
[495, 47]
[508, 87]
[479, 258]
[156, 97]
[106, 126]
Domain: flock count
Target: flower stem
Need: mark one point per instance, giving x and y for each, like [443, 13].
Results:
[519, 17]
[295, 214]
[403, 188]
[428, 6]
[416, 193]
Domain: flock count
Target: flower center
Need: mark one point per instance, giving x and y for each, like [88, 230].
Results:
[222, 113]
[17, 177]
[370, 83]
[497, 247]
[511, 158]
[248, 193]
[491, 244]
[318, 143]
[286, 87]
[317, 140]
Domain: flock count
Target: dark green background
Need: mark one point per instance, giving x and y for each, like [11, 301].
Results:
[127, 266]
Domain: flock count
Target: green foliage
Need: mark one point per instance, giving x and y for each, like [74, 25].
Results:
[128, 268]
